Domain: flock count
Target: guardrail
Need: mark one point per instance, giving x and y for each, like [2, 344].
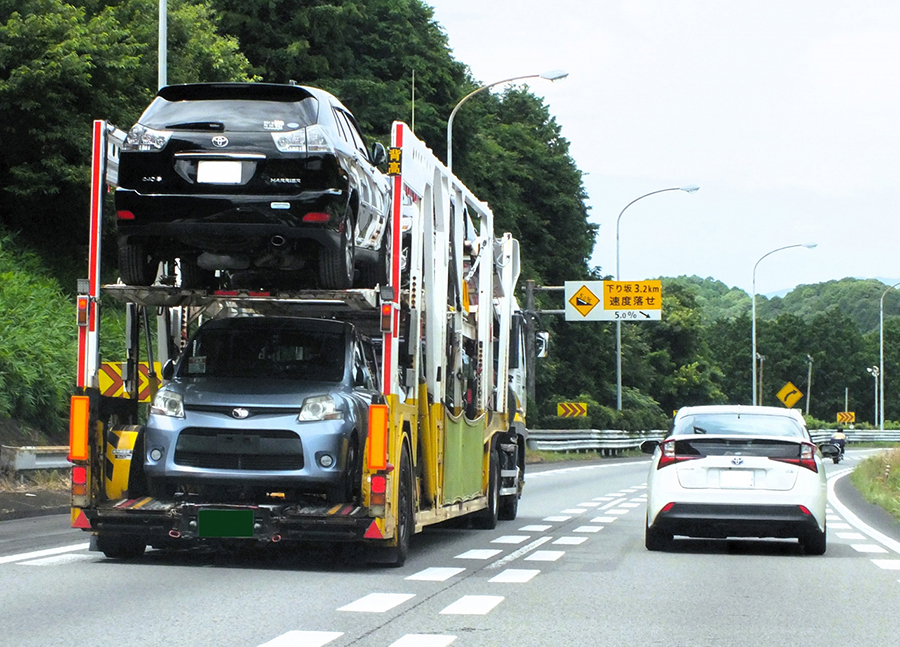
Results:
[611, 442]
[22, 459]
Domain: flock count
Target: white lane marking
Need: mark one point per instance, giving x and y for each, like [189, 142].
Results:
[640, 499]
[435, 574]
[58, 560]
[473, 605]
[631, 505]
[43, 553]
[423, 640]
[515, 575]
[833, 517]
[377, 602]
[856, 521]
[839, 526]
[630, 490]
[603, 498]
[570, 541]
[524, 550]
[603, 519]
[868, 548]
[574, 511]
[304, 639]
[851, 535]
[613, 504]
[557, 518]
[589, 504]
[580, 468]
[545, 556]
[887, 564]
[510, 539]
[541, 527]
[479, 553]
[588, 529]
[619, 511]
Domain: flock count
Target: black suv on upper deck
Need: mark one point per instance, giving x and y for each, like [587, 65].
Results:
[250, 177]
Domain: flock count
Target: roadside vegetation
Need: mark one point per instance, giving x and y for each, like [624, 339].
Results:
[878, 480]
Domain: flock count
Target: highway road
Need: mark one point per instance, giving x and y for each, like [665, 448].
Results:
[571, 570]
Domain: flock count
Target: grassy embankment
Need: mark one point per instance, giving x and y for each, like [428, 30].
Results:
[878, 479]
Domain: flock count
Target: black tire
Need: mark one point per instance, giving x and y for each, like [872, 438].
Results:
[487, 518]
[655, 539]
[121, 546]
[194, 277]
[836, 459]
[337, 266]
[814, 543]
[509, 507]
[136, 265]
[398, 553]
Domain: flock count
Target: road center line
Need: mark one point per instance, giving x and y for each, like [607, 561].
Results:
[524, 550]
[613, 504]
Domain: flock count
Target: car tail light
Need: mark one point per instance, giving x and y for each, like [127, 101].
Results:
[311, 139]
[125, 215]
[807, 458]
[316, 216]
[146, 140]
[668, 455]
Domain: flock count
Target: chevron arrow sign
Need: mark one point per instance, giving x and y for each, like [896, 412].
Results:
[571, 409]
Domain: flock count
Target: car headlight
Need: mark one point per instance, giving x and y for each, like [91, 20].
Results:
[143, 139]
[168, 403]
[319, 407]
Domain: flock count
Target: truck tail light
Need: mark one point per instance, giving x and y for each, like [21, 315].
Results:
[79, 480]
[79, 427]
[376, 457]
[386, 312]
[82, 304]
[378, 486]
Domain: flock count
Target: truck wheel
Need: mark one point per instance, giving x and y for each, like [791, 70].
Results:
[487, 518]
[336, 266]
[136, 266]
[121, 546]
[405, 513]
[509, 507]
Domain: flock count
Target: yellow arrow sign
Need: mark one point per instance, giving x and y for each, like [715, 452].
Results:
[571, 409]
[789, 395]
[846, 416]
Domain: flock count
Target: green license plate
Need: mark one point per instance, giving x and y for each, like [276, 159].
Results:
[225, 523]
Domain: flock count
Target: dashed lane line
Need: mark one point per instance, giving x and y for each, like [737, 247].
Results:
[43, 553]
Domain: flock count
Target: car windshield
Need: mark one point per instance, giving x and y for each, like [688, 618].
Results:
[256, 353]
[235, 115]
[738, 424]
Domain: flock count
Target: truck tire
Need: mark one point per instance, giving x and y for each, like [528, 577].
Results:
[121, 546]
[509, 507]
[136, 266]
[405, 514]
[487, 519]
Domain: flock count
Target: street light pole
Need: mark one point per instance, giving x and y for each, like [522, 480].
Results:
[874, 371]
[753, 353]
[691, 188]
[881, 352]
[554, 75]
[809, 383]
[163, 61]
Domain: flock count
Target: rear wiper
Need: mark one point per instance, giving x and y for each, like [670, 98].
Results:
[197, 125]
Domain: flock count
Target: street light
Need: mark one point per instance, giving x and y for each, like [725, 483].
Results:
[809, 383]
[691, 188]
[553, 75]
[881, 351]
[874, 371]
[753, 353]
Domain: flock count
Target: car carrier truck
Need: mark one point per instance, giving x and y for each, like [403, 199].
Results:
[444, 434]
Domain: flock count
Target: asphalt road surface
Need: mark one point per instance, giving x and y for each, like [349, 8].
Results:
[571, 570]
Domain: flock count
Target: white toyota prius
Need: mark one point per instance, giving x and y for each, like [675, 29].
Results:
[737, 471]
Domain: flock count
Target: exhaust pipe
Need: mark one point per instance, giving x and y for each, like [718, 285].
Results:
[276, 539]
[174, 534]
[277, 241]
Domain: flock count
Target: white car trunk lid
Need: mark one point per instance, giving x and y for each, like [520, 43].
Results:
[737, 463]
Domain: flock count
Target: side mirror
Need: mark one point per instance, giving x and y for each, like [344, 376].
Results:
[541, 343]
[168, 370]
[379, 154]
[649, 446]
[828, 450]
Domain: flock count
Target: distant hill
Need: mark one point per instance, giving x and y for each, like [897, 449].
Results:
[858, 298]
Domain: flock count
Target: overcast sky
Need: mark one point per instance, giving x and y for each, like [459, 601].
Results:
[786, 113]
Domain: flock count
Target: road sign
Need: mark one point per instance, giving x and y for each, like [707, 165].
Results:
[846, 416]
[571, 409]
[113, 385]
[789, 395]
[613, 300]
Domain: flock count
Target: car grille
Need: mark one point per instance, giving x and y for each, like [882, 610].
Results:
[226, 449]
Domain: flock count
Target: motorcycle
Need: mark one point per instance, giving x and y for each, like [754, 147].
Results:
[837, 458]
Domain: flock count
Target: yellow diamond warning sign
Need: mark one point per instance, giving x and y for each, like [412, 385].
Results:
[584, 300]
[789, 394]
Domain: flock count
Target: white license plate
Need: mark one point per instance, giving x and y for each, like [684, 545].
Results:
[210, 172]
[736, 479]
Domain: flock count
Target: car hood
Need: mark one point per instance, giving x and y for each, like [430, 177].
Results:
[231, 392]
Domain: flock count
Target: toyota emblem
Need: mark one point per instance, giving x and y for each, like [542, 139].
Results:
[240, 413]
[220, 141]
[737, 460]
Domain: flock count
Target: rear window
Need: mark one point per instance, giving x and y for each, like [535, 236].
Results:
[737, 447]
[266, 354]
[235, 115]
[735, 424]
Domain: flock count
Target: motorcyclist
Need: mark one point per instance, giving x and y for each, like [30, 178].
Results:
[839, 438]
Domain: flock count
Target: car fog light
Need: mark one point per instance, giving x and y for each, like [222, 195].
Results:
[155, 454]
[326, 460]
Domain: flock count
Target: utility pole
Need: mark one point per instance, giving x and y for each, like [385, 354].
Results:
[809, 383]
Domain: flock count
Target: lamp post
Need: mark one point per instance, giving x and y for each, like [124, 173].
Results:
[554, 75]
[881, 352]
[753, 353]
[874, 371]
[691, 188]
[809, 383]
